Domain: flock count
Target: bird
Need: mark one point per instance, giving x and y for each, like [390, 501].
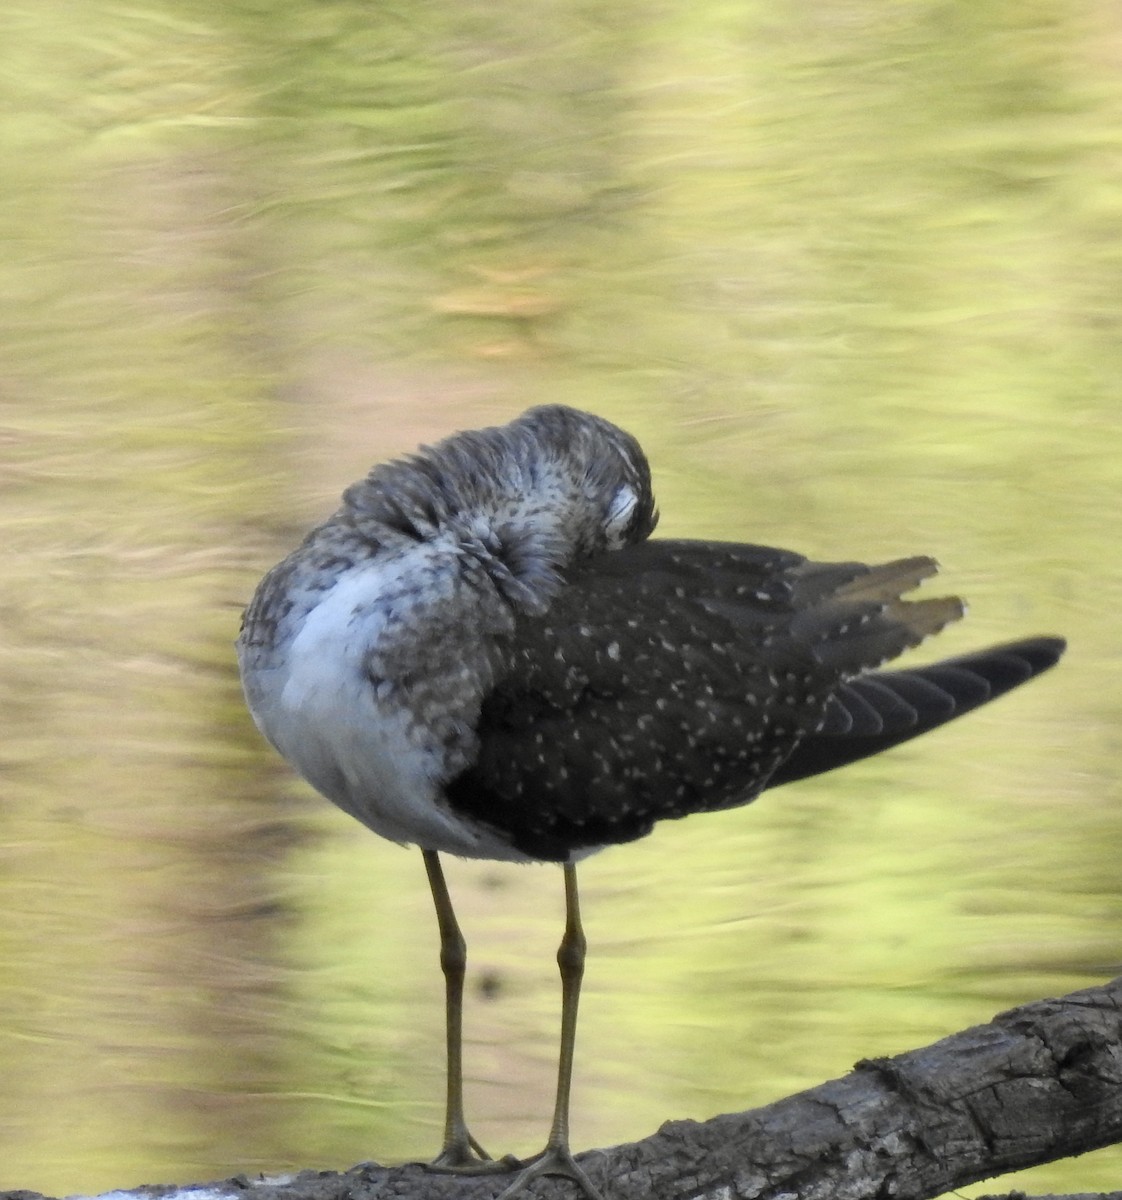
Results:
[484, 653]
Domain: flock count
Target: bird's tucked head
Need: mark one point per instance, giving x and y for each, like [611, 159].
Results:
[528, 499]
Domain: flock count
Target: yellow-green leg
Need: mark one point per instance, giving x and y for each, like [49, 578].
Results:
[460, 1150]
[556, 1158]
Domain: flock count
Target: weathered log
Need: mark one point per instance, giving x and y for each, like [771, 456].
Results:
[1038, 1083]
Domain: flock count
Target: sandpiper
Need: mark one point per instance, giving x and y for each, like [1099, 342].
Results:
[482, 654]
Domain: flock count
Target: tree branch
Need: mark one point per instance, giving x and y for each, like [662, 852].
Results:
[1039, 1082]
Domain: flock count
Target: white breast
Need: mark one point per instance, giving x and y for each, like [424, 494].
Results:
[348, 734]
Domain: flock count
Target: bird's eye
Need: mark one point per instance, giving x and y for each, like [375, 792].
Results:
[621, 510]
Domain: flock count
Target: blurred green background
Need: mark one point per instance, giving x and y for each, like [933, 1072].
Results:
[851, 271]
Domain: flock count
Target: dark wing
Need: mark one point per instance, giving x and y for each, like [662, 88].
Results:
[878, 711]
[675, 677]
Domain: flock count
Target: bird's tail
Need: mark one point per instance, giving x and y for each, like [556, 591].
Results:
[877, 711]
[856, 618]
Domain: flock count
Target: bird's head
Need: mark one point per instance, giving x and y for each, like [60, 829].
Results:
[530, 498]
[581, 473]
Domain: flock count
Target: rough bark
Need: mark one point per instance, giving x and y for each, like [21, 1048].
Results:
[1038, 1083]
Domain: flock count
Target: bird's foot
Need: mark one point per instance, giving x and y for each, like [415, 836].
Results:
[553, 1160]
[463, 1155]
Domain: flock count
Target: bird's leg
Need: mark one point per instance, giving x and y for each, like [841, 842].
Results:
[460, 1149]
[557, 1158]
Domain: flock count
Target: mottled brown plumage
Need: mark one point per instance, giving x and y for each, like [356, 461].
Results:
[482, 653]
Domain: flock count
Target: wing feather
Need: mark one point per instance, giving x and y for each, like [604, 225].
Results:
[676, 677]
